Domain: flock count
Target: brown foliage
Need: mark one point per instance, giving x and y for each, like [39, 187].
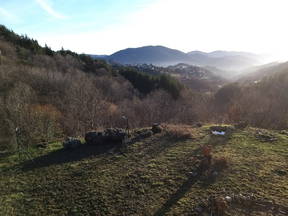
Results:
[179, 131]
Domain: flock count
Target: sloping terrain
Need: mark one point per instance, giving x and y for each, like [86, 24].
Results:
[155, 176]
[260, 73]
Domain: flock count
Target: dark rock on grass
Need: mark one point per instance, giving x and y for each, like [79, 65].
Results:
[94, 138]
[114, 135]
[157, 128]
[71, 143]
[281, 172]
[108, 136]
[143, 133]
[138, 135]
[284, 132]
[265, 137]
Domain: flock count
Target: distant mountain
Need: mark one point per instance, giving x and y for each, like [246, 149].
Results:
[163, 56]
[157, 55]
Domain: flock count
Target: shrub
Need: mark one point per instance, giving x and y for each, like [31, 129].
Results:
[206, 151]
[46, 122]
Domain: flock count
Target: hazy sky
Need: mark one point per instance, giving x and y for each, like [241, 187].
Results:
[106, 26]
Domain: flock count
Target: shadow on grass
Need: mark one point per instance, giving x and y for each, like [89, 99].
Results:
[185, 187]
[62, 156]
[161, 144]
[174, 198]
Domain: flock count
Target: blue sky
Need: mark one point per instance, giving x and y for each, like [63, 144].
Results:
[106, 26]
[38, 18]
[64, 16]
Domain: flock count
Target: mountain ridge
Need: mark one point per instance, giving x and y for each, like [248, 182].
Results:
[164, 56]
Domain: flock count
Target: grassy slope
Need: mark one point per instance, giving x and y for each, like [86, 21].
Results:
[151, 178]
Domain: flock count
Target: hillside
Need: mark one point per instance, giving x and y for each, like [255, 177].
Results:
[196, 78]
[163, 56]
[51, 94]
[199, 79]
[257, 74]
[154, 176]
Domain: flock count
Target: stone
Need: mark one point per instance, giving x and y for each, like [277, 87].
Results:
[114, 135]
[265, 137]
[199, 209]
[228, 199]
[281, 172]
[215, 173]
[157, 128]
[144, 133]
[110, 136]
[94, 138]
[71, 143]
[284, 132]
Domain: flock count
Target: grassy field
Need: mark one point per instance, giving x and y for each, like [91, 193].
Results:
[150, 177]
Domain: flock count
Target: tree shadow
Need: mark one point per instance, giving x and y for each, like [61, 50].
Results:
[185, 187]
[62, 156]
[162, 144]
[174, 198]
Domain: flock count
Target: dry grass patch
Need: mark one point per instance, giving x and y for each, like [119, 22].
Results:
[179, 131]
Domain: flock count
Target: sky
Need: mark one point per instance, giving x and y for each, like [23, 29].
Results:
[106, 26]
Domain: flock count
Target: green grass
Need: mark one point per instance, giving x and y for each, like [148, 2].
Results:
[150, 178]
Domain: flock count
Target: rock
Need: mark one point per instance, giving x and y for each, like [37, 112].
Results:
[108, 136]
[281, 172]
[194, 174]
[156, 128]
[144, 133]
[228, 199]
[114, 135]
[199, 209]
[284, 132]
[71, 143]
[94, 138]
[265, 137]
[215, 173]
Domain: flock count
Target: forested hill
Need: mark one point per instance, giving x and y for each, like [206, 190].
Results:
[73, 91]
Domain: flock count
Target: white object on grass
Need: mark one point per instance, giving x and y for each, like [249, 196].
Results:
[222, 133]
